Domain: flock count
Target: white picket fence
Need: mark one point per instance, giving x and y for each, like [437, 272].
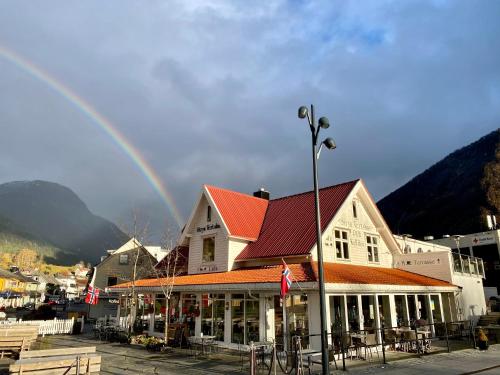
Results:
[47, 327]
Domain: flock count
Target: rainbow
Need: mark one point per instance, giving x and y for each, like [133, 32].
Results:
[102, 123]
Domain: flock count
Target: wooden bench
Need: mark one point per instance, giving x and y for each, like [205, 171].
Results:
[14, 339]
[67, 361]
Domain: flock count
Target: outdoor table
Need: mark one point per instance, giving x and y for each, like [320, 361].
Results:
[204, 341]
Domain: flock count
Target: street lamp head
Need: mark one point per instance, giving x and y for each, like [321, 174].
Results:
[303, 112]
[324, 123]
[330, 143]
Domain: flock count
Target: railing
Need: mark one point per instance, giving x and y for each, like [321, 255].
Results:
[466, 264]
[47, 327]
[375, 346]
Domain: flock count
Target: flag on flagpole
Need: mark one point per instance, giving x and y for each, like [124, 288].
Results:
[92, 295]
[286, 280]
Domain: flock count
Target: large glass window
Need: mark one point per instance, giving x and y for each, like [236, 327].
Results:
[341, 244]
[372, 246]
[190, 310]
[297, 317]
[352, 313]
[208, 249]
[368, 307]
[400, 310]
[337, 313]
[436, 308]
[238, 318]
[244, 318]
[384, 311]
[160, 314]
[212, 315]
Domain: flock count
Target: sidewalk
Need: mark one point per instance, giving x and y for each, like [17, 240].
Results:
[462, 362]
[120, 359]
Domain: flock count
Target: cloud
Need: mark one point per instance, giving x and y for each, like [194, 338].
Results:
[208, 91]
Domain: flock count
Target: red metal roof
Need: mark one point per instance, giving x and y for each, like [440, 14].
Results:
[242, 213]
[336, 273]
[289, 226]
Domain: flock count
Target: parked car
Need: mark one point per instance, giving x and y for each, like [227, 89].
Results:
[29, 306]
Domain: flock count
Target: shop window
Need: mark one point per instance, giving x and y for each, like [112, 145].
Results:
[209, 213]
[341, 244]
[244, 318]
[208, 249]
[372, 247]
[123, 259]
[212, 315]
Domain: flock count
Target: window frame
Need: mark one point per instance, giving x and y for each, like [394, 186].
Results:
[203, 259]
[372, 248]
[123, 263]
[343, 241]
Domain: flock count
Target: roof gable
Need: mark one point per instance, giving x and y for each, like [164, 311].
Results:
[289, 226]
[242, 214]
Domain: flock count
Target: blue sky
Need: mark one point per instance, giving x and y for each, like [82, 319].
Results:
[209, 91]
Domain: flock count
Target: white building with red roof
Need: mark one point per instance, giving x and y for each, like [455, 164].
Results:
[235, 245]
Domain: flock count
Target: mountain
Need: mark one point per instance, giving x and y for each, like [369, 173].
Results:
[451, 197]
[53, 216]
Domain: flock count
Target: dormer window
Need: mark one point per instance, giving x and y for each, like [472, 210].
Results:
[354, 210]
[209, 213]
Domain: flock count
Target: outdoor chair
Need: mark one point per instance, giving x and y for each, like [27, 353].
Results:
[409, 340]
[347, 344]
[391, 338]
[368, 344]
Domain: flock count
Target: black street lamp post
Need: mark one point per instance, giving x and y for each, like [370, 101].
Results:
[330, 144]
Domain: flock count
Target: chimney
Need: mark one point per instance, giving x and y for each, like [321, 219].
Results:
[262, 193]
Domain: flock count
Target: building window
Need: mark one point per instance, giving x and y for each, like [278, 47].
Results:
[209, 213]
[354, 210]
[112, 281]
[372, 246]
[209, 249]
[123, 259]
[407, 249]
[341, 244]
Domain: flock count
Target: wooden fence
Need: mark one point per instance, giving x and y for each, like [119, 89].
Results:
[47, 327]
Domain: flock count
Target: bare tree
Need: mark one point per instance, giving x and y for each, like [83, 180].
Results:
[171, 266]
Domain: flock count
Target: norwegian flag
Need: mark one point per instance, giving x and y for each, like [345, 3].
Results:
[92, 295]
[286, 280]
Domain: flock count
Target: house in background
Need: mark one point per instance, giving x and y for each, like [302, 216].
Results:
[131, 261]
[16, 289]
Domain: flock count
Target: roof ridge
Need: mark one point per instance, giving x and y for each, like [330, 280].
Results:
[311, 191]
[234, 192]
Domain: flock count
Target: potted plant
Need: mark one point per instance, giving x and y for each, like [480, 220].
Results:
[482, 340]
